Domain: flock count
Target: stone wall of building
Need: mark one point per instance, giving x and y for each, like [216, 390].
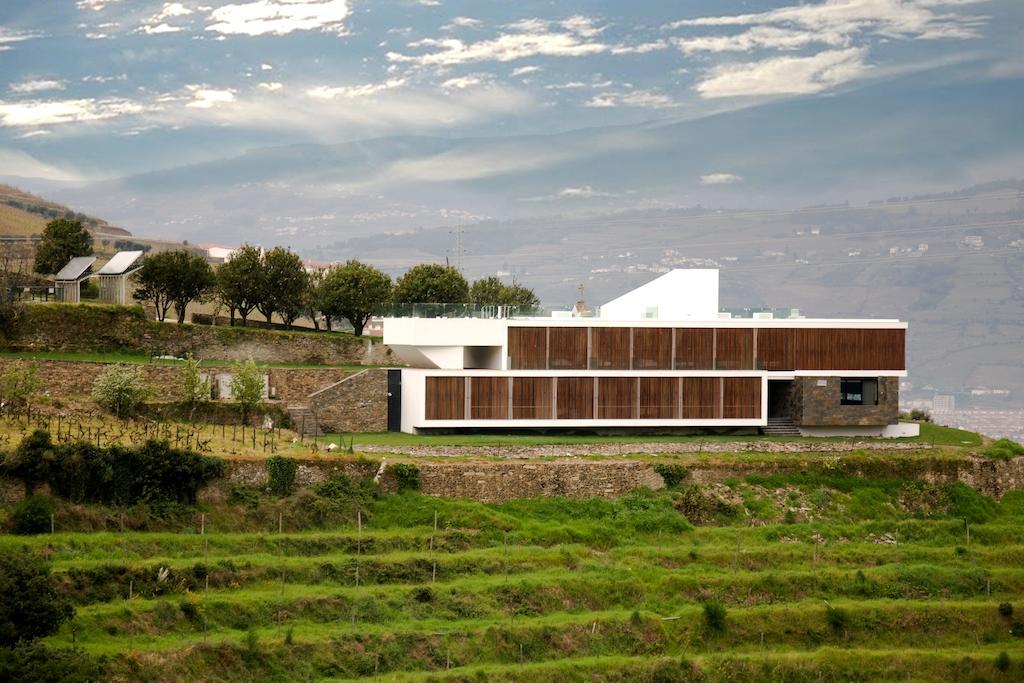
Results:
[816, 403]
[89, 328]
[359, 403]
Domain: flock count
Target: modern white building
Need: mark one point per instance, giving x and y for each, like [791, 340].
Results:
[659, 357]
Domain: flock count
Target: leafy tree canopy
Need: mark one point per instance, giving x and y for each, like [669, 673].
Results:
[282, 284]
[238, 282]
[32, 607]
[354, 291]
[432, 283]
[62, 241]
[490, 291]
[174, 277]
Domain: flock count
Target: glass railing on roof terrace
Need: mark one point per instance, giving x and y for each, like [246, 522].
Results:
[462, 311]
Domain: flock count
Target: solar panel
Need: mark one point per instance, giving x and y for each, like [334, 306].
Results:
[76, 268]
[120, 263]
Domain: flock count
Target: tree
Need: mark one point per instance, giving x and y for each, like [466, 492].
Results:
[431, 283]
[62, 241]
[32, 607]
[314, 306]
[354, 291]
[195, 389]
[152, 279]
[247, 385]
[490, 291]
[174, 277]
[19, 384]
[31, 460]
[121, 389]
[282, 284]
[238, 285]
[191, 279]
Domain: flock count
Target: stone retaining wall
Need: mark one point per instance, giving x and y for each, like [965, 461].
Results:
[357, 404]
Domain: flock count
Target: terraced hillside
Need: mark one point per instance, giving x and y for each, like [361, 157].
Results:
[769, 577]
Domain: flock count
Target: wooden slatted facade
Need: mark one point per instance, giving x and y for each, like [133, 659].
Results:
[531, 398]
[609, 348]
[652, 348]
[659, 398]
[445, 398]
[575, 398]
[616, 398]
[741, 397]
[488, 398]
[701, 398]
[567, 348]
[721, 348]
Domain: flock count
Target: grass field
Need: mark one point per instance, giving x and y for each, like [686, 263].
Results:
[134, 358]
[816, 580]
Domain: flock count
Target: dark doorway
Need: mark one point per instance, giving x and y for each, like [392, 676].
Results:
[780, 394]
[394, 400]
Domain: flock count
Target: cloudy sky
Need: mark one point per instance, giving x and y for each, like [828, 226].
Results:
[94, 89]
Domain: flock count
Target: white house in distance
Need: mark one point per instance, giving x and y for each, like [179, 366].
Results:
[660, 357]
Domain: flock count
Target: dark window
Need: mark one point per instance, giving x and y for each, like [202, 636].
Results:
[858, 392]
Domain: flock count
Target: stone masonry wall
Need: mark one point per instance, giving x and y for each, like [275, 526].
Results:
[816, 406]
[89, 328]
[357, 404]
[74, 379]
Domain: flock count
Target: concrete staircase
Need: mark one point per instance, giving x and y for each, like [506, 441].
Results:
[780, 426]
[304, 421]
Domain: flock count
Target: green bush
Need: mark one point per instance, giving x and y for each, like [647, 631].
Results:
[1003, 661]
[339, 500]
[837, 617]
[281, 475]
[1005, 609]
[121, 389]
[714, 616]
[80, 472]
[36, 663]
[407, 476]
[966, 503]
[1003, 449]
[32, 515]
[674, 474]
[31, 607]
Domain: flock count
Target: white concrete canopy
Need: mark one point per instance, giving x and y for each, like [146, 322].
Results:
[681, 294]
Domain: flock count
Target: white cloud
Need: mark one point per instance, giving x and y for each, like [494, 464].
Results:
[524, 70]
[464, 22]
[463, 82]
[173, 9]
[583, 192]
[761, 37]
[266, 67]
[530, 38]
[640, 49]
[890, 18]
[35, 86]
[162, 27]
[633, 98]
[785, 75]
[271, 87]
[720, 179]
[44, 113]
[32, 134]
[17, 163]
[104, 79]
[205, 97]
[96, 5]
[279, 17]
[324, 92]
[581, 25]
[8, 36]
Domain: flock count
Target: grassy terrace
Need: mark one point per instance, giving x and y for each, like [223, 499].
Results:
[856, 579]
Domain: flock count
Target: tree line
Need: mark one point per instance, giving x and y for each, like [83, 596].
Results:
[276, 282]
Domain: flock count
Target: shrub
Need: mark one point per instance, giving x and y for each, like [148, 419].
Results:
[1003, 661]
[32, 607]
[32, 515]
[281, 475]
[19, 384]
[1003, 449]
[918, 415]
[152, 473]
[247, 385]
[714, 616]
[1005, 609]
[674, 474]
[34, 662]
[966, 503]
[339, 499]
[121, 389]
[407, 476]
[837, 617]
[195, 388]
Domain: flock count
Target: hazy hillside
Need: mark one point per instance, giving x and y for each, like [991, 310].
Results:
[23, 214]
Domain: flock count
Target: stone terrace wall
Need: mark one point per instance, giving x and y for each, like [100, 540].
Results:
[87, 328]
[357, 404]
[820, 405]
[74, 379]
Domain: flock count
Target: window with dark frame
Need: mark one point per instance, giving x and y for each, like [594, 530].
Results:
[858, 392]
